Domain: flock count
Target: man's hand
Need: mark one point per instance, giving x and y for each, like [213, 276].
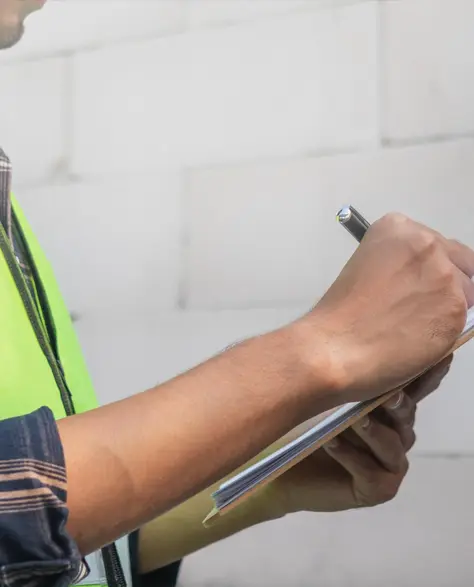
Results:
[365, 466]
[395, 310]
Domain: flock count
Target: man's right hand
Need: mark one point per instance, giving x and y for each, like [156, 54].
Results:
[396, 308]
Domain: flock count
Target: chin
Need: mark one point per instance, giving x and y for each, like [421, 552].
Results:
[10, 36]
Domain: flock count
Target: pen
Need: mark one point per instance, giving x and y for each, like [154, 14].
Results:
[353, 222]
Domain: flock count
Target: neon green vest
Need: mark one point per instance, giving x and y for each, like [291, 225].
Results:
[42, 363]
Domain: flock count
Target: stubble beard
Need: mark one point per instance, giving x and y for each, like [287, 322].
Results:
[9, 36]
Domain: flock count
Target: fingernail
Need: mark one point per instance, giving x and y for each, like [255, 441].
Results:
[333, 443]
[395, 402]
[364, 423]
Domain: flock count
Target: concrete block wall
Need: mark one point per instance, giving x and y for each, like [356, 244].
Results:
[182, 162]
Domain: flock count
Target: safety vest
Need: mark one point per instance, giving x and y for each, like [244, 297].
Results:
[42, 363]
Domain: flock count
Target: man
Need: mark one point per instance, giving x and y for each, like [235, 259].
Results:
[148, 462]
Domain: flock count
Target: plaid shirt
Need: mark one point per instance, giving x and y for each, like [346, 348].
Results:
[35, 548]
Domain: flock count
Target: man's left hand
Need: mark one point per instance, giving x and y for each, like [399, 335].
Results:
[365, 465]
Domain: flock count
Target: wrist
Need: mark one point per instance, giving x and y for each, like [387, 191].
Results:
[320, 363]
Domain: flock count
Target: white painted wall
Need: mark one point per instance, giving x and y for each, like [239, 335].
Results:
[182, 162]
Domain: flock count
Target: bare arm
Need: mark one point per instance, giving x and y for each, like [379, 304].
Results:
[136, 459]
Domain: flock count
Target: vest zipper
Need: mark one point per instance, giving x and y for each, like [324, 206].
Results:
[113, 568]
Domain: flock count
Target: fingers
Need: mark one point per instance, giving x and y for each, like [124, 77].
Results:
[358, 463]
[430, 381]
[388, 434]
[374, 451]
[372, 484]
[387, 445]
[400, 411]
[461, 256]
[468, 288]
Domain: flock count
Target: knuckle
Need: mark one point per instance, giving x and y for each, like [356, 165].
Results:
[392, 222]
[395, 219]
[423, 242]
[405, 466]
[409, 445]
[411, 415]
[406, 411]
[390, 492]
[455, 314]
[447, 274]
[455, 304]
[372, 480]
[469, 292]
[387, 489]
[407, 423]
[459, 304]
[384, 487]
[394, 453]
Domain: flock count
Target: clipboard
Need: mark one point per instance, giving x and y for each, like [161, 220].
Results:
[241, 486]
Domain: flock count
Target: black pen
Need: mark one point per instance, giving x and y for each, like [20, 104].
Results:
[353, 222]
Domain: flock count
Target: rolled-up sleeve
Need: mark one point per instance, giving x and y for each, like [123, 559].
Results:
[35, 548]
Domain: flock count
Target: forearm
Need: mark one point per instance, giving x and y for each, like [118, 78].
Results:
[131, 461]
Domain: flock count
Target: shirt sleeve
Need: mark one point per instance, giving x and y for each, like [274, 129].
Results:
[35, 548]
